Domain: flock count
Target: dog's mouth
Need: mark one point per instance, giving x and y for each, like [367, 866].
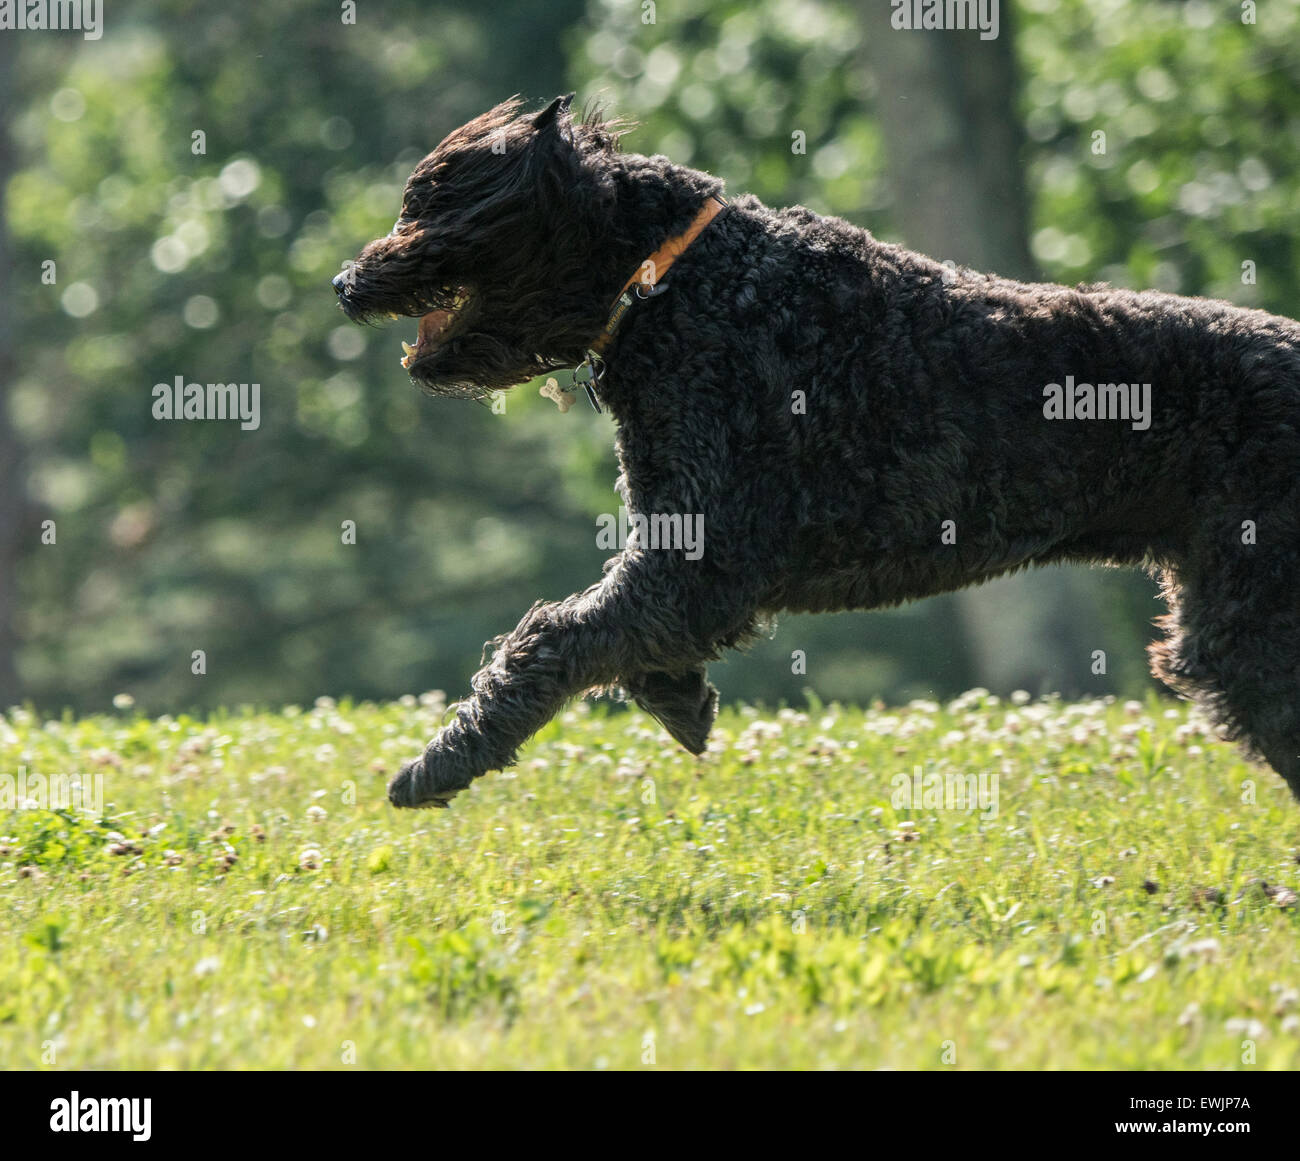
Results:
[436, 327]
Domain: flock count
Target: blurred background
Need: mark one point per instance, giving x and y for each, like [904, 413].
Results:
[1149, 143]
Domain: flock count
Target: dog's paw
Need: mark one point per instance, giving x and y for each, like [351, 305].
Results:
[684, 704]
[427, 782]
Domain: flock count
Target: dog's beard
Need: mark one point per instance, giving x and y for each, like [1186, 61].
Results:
[469, 349]
[474, 338]
[456, 353]
[474, 365]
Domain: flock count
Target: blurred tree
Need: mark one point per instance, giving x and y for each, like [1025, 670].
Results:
[12, 505]
[215, 266]
[210, 258]
[946, 104]
[772, 97]
[1190, 176]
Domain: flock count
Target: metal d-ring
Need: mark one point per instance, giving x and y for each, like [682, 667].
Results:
[643, 292]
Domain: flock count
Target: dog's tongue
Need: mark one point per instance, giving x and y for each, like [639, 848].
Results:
[431, 326]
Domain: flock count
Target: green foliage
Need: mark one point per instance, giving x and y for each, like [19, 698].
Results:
[771, 96]
[1123, 898]
[175, 537]
[1198, 173]
[215, 266]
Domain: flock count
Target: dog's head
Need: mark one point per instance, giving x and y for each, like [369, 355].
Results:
[498, 251]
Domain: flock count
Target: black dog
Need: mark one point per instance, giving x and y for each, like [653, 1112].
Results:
[856, 424]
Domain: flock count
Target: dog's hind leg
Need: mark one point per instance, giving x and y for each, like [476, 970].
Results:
[1234, 641]
[685, 704]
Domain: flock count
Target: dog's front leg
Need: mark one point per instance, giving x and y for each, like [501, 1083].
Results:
[632, 622]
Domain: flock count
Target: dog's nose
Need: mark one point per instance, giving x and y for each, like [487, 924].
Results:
[340, 282]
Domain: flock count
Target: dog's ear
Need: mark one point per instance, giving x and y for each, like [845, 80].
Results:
[551, 114]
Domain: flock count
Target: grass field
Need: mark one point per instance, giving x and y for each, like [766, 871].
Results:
[1122, 897]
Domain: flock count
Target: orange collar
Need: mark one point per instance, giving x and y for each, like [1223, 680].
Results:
[653, 269]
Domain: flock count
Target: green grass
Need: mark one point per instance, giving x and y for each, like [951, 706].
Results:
[247, 898]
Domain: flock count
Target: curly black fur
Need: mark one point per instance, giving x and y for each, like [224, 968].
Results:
[828, 403]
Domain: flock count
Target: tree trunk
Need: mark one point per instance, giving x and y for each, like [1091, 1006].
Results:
[946, 104]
